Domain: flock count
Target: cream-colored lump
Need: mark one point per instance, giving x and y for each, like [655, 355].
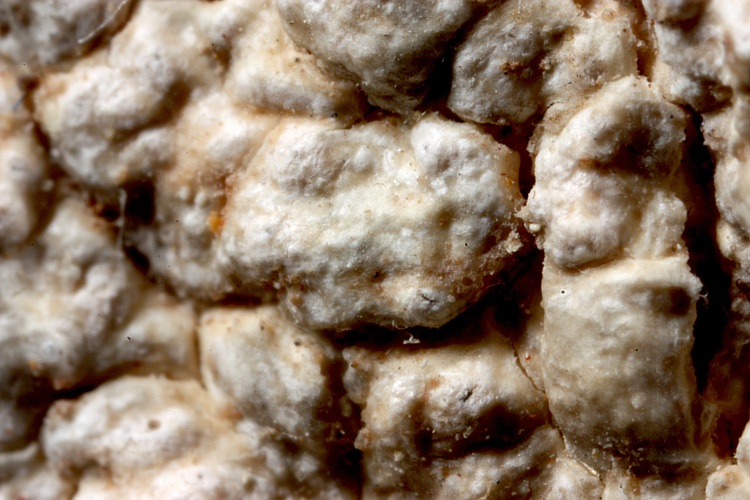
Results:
[285, 381]
[390, 48]
[374, 249]
[149, 437]
[515, 62]
[688, 63]
[73, 310]
[383, 222]
[602, 187]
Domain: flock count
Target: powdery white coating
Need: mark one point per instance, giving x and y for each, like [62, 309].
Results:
[213, 138]
[726, 134]
[274, 373]
[390, 48]
[111, 117]
[270, 72]
[603, 181]
[617, 361]
[688, 63]
[437, 402]
[732, 183]
[164, 121]
[619, 298]
[704, 54]
[736, 14]
[380, 223]
[104, 117]
[23, 165]
[72, 311]
[160, 439]
[171, 120]
[40, 33]
[526, 56]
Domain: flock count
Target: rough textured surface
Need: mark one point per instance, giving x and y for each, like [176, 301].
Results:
[602, 187]
[390, 48]
[72, 311]
[726, 136]
[381, 223]
[157, 127]
[283, 378]
[110, 118]
[374, 249]
[155, 438]
[618, 295]
[248, 354]
[437, 404]
[516, 63]
[617, 359]
[176, 221]
[688, 63]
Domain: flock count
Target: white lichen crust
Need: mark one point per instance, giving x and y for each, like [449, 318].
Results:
[286, 380]
[390, 48]
[725, 131]
[384, 222]
[617, 359]
[148, 437]
[159, 126]
[604, 182]
[73, 310]
[515, 63]
[285, 249]
[439, 405]
[178, 228]
[619, 297]
[690, 53]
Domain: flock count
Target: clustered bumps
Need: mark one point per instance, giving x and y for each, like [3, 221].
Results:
[374, 248]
